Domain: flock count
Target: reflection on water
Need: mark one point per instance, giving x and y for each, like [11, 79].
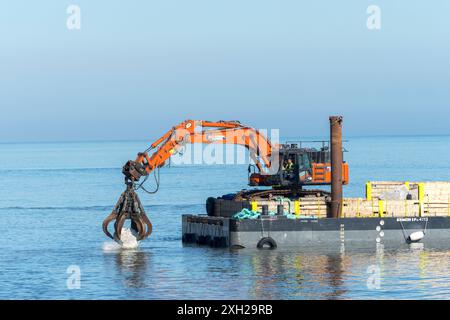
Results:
[131, 266]
[284, 272]
[409, 272]
[412, 271]
[334, 269]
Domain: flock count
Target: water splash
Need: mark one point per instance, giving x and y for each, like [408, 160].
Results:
[128, 241]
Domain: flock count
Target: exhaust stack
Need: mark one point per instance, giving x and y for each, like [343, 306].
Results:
[336, 166]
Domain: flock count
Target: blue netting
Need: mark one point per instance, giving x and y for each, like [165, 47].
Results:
[249, 214]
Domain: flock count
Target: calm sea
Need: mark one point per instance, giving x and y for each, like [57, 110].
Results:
[54, 196]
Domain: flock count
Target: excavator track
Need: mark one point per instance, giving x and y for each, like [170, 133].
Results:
[228, 205]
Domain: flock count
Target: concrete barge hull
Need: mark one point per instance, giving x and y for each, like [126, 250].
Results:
[227, 232]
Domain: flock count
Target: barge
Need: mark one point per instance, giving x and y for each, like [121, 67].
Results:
[391, 213]
[273, 232]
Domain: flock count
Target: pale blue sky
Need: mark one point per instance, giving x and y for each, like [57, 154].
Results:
[138, 67]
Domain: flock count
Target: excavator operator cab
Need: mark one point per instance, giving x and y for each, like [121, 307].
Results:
[293, 160]
[300, 166]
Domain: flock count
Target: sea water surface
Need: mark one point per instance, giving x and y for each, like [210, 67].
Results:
[54, 196]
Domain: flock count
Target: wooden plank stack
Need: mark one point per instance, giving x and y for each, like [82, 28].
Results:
[306, 206]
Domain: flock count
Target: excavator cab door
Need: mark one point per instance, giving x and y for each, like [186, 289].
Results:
[300, 171]
[304, 167]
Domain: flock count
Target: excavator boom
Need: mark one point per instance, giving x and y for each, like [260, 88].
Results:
[189, 131]
[223, 132]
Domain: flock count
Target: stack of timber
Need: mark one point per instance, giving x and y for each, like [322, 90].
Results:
[305, 206]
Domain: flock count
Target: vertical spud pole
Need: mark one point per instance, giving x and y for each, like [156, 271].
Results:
[336, 166]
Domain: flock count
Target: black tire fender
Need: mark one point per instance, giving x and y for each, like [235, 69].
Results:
[267, 243]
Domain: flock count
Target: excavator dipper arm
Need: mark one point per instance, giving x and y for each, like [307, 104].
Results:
[230, 132]
[189, 131]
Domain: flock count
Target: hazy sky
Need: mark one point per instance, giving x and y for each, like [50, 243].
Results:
[136, 68]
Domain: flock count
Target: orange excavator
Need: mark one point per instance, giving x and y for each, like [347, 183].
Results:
[287, 166]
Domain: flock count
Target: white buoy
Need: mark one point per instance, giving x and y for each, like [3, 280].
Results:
[416, 236]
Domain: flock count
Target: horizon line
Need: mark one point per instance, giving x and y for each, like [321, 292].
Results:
[282, 138]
